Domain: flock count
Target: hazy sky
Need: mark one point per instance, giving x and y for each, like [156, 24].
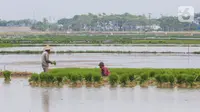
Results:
[20, 9]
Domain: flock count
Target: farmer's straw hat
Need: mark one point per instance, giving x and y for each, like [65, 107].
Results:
[47, 47]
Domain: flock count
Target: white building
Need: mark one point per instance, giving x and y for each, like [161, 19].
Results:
[153, 27]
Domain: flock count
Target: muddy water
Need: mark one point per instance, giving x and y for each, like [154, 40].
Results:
[16, 62]
[20, 97]
[110, 48]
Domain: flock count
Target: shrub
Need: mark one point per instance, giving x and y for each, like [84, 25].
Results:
[124, 79]
[113, 79]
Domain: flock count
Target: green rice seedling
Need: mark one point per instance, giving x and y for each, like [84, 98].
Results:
[88, 78]
[180, 78]
[132, 80]
[124, 79]
[152, 74]
[59, 80]
[119, 73]
[69, 75]
[137, 78]
[197, 77]
[181, 72]
[144, 77]
[50, 78]
[196, 83]
[97, 78]
[74, 78]
[113, 79]
[164, 78]
[168, 71]
[43, 77]
[34, 77]
[171, 79]
[54, 62]
[80, 77]
[138, 72]
[161, 79]
[7, 75]
[190, 79]
[131, 77]
[64, 78]
[158, 79]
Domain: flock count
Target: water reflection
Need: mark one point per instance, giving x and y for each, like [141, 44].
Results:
[45, 100]
[33, 99]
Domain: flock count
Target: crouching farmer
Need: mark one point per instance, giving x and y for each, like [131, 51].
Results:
[104, 70]
[45, 58]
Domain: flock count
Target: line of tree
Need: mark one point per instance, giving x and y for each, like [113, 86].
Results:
[24, 22]
[113, 22]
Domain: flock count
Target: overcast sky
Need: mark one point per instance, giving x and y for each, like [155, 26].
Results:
[20, 9]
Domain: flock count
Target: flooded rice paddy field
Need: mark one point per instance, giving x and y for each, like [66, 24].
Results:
[110, 48]
[18, 96]
[31, 62]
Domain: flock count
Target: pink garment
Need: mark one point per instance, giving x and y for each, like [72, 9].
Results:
[105, 71]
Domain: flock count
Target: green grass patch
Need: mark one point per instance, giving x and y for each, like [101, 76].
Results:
[100, 39]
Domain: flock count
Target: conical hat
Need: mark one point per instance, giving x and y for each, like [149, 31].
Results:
[47, 47]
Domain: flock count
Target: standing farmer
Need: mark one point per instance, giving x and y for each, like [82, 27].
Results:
[45, 58]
